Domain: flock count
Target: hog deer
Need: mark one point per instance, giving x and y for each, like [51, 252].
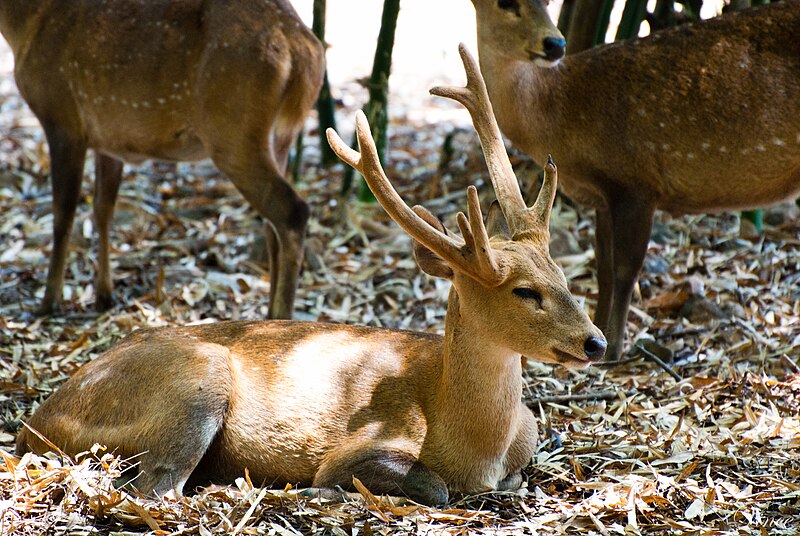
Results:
[700, 118]
[132, 79]
[407, 413]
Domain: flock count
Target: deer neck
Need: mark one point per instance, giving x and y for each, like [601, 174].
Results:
[17, 17]
[478, 397]
[524, 97]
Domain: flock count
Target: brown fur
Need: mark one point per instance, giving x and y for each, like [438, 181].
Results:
[173, 80]
[701, 118]
[318, 404]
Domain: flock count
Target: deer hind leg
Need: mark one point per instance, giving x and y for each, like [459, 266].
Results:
[170, 463]
[67, 156]
[384, 470]
[631, 220]
[108, 176]
[259, 181]
[239, 138]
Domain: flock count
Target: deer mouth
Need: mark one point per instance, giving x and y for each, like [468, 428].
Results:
[571, 360]
[540, 59]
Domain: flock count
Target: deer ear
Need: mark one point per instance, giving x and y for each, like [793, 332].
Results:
[431, 263]
[496, 223]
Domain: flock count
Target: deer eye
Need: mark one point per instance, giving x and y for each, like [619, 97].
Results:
[508, 5]
[528, 294]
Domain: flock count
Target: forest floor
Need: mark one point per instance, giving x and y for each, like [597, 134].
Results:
[627, 449]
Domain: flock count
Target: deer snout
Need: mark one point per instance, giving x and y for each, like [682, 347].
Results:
[554, 48]
[595, 348]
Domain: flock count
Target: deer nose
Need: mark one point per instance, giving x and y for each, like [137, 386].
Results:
[595, 348]
[554, 48]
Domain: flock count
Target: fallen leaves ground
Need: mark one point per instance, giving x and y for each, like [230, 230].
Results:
[627, 449]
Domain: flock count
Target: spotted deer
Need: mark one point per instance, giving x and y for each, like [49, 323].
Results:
[179, 81]
[318, 404]
[699, 118]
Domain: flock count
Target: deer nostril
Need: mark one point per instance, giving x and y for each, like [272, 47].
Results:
[554, 48]
[595, 348]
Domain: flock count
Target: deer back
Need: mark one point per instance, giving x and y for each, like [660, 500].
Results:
[702, 117]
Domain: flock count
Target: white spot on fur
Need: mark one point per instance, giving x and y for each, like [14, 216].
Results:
[779, 142]
[723, 149]
[706, 146]
[665, 147]
[760, 148]
[689, 156]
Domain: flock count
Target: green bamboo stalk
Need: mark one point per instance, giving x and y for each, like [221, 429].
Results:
[632, 17]
[325, 105]
[603, 18]
[377, 106]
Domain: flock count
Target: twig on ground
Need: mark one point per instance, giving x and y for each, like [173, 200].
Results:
[792, 365]
[582, 397]
[658, 361]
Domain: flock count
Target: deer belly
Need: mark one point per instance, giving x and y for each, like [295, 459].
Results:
[134, 128]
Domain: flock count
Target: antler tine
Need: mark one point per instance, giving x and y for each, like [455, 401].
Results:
[484, 254]
[475, 99]
[541, 209]
[464, 257]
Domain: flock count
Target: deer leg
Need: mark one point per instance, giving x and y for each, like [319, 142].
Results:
[108, 176]
[604, 263]
[632, 220]
[521, 450]
[384, 471]
[265, 189]
[167, 466]
[67, 155]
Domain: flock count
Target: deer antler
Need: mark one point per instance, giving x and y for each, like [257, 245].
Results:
[473, 256]
[521, 220]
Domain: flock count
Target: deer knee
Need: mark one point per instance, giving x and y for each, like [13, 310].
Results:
[384, 471]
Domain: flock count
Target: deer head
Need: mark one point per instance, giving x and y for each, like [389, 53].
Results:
[509, 291]
[525, 27]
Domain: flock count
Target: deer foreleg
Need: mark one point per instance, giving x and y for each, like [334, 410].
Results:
[384, 471]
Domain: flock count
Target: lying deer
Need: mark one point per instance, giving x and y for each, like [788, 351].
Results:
[407, 413]
[230, 80]
[700, 118]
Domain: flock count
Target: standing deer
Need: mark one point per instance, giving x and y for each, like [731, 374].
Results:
[700, 118]
[407, 413]
[134, 79]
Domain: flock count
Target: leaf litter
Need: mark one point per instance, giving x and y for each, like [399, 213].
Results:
[624, 449]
